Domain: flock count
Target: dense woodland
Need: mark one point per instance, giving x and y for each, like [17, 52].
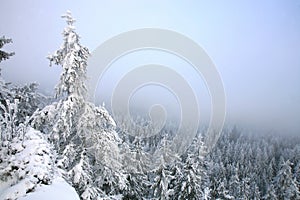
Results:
[68, 136]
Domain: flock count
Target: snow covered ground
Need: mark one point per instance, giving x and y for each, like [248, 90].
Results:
[59, 189]
[27, 170]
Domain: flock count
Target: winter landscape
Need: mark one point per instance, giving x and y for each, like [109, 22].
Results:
[64, 144]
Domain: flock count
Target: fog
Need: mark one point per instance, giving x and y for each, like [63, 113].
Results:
[255, 47]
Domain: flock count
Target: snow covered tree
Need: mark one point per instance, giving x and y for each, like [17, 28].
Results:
[135, 162]
[72, 56]
[217, 177]
[5, 93]
[190, 184]
[161, 183]
[285, 184]
[28, 97]
[9, 121]
[29, 100]
[110, 181]
[82, 177]
[83, 134]
[222, 192]
[137, 186]
[175, 177]
[4, 55]
[245, 188]
[255, 191]
[297, 174]
[271, 193]
[142, 160]
[75, 118]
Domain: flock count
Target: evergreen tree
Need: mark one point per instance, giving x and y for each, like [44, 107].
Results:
[161, 183]
[72, 56]
[83, 134]
[297, 174]
[137, 186]
[255, 192]
[135, 159]
[82, 177]
[285, 184]
[29, 100]
[245, 188]
[190, 184]
[4, 55]
[222, 192]
[271, 193]
[175, 178]
[5, 93]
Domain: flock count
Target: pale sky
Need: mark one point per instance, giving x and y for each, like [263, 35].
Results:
[255, 45]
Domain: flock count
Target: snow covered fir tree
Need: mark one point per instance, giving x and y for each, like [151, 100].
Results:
[72, 148]
[82, 133]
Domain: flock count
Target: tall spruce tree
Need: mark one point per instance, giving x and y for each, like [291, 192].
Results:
[190, 183]
[83, 134]
[285, 184]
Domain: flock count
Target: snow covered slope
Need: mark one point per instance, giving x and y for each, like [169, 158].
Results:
[27, 170]
[59, 189]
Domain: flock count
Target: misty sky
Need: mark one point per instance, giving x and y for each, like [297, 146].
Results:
[254, 44]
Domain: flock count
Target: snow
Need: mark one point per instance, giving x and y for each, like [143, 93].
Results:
[28, 171]
[27, 164]
[59, 189]
[13, 192]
